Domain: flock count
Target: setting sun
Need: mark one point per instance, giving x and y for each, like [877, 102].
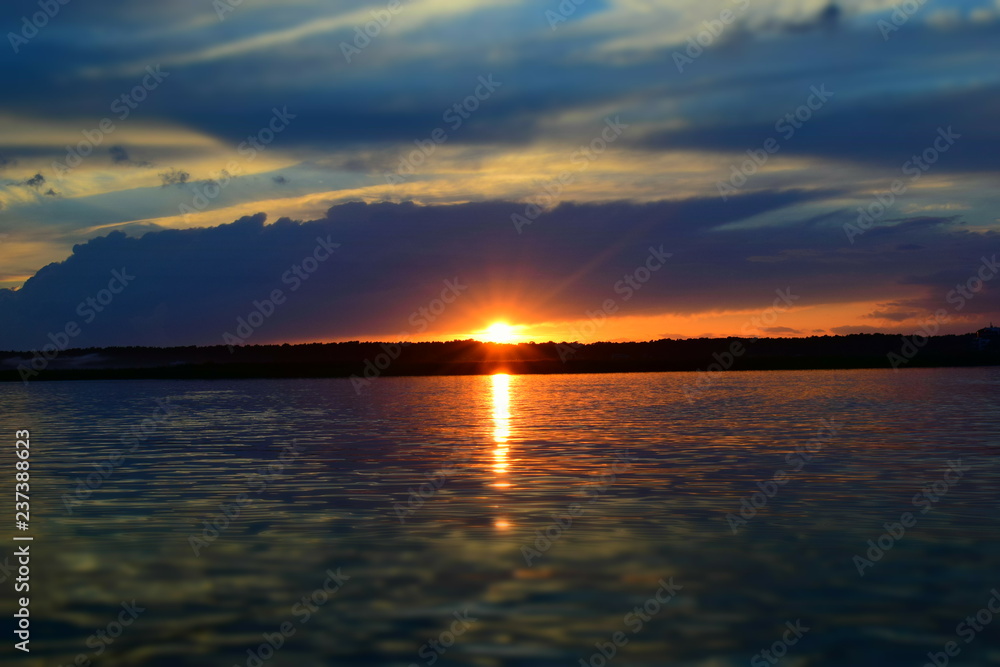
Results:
[498, 332]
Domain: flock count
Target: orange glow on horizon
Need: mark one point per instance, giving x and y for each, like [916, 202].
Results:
[758, 321]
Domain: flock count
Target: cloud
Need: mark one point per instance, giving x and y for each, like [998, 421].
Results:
[174, 177]
[35, 181]
[893, 314]
[889, 93]
[827, 18]
[848, 330]
[780, 330]
[557, 88]
[119, 155]
[191, 285]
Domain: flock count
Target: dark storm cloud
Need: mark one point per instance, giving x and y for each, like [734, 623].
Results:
[191, 285]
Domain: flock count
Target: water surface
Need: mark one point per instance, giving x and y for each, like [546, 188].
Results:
[632, 482]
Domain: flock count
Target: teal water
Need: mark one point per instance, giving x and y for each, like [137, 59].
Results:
[556, 510]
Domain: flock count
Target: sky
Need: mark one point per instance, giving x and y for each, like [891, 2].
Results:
[176, 173]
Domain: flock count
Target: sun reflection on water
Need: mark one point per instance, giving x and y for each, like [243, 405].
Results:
[501, 436]
[501, 409]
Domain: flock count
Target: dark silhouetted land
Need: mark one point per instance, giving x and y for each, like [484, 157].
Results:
[367, 360]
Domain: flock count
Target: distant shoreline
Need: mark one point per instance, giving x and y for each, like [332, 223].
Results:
[267, 372]
[365, 361]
